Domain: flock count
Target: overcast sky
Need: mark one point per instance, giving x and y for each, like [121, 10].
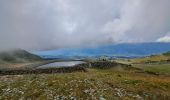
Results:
[50, 24]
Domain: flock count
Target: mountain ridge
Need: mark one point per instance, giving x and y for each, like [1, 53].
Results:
[124, 50]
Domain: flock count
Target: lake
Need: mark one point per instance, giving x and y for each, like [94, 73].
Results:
[60, 64]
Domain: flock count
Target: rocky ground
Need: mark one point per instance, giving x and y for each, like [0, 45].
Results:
[95, 84]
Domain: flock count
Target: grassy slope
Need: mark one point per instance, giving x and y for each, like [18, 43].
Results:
[156, 68]
[17, 56]
[92, 85]
[155, 63]
[165, 57]
[18, 59]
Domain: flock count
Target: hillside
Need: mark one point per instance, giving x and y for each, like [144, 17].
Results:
[158, 64]
[17, 56]
[161, 58]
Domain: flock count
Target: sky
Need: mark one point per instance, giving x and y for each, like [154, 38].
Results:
[53, 24]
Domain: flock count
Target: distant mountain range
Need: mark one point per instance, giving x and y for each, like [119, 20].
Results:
[112, 50]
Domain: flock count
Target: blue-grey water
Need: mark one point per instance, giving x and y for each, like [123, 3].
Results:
[60, 64]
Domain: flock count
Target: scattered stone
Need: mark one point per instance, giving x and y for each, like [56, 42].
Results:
[101, 98]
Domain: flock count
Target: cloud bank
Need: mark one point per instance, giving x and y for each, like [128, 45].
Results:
[52, 24]
[165, 38]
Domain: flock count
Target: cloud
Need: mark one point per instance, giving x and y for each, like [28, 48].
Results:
[165, 38]
[140, 21]
[52, 24]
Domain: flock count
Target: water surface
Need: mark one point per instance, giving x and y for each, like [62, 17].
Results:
[60, 64]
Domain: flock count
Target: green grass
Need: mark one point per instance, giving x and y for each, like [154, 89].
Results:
[165, 57]
[92, 85]
[157, 68]
[155, 63]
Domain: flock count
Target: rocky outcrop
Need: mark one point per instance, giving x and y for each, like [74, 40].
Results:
[106, 64]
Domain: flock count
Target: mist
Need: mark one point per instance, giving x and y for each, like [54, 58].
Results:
[54, 24]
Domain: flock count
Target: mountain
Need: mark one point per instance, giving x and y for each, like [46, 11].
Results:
[117, 50]
[17, 56]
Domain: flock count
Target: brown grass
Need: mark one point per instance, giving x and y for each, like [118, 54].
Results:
[92, 85]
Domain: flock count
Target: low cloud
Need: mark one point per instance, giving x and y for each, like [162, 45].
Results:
[165, 38]
[53, 24]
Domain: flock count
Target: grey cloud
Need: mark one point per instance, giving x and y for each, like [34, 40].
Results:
[49, 24]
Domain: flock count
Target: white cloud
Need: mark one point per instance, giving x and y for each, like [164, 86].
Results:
[165, 38]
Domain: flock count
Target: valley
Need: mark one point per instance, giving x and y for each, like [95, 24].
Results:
[97, 79]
